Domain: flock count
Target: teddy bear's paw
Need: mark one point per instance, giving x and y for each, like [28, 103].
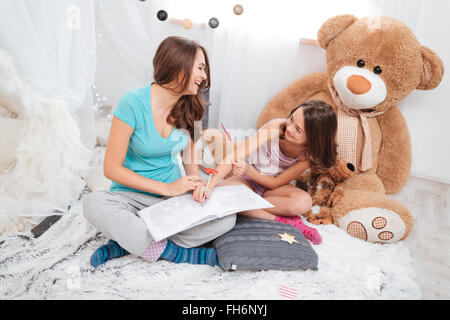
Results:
[374, 225]
[320, 215]
[318, 220]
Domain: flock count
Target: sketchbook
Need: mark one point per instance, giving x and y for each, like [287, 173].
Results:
[180, 213]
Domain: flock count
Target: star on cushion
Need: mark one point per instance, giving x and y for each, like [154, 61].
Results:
[287, 237]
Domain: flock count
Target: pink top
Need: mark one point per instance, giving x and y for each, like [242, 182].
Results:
[269, 159]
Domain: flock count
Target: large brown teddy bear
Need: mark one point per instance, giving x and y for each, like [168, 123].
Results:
[372, 63]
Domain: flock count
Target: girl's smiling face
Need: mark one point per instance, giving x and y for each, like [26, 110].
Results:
[295, 128]
[198, 74]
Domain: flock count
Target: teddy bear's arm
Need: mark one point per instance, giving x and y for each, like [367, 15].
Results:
[394, 162]
[322, 217]
[324, 188]
[297, 92]
[337, 194]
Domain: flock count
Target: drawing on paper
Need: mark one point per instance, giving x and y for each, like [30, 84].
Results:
[183, 212]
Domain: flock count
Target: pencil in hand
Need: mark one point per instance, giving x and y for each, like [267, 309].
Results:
[226, 132]
[211, 172]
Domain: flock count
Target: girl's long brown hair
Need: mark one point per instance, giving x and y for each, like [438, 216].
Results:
[320, 129]
[173, 63]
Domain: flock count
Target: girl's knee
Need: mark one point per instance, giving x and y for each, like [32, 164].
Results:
[227, 223]
[89, 203]
[93, 203]
[300, 204]
[305, 203]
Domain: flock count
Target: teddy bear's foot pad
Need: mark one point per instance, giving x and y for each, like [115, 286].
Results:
[374, 225]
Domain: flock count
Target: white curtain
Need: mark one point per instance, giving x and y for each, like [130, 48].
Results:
[53, 45]
[124, 50]
[427, 112]
[253, 56]
[257, 54]
[48, 64]
[128, 33]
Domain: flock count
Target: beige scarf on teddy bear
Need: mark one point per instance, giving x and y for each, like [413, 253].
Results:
[347, 133]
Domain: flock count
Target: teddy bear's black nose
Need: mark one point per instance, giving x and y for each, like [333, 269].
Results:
[350, 166]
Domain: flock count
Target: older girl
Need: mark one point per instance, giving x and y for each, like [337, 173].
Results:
[146, 134]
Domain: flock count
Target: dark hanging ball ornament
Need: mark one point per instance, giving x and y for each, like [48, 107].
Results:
[162, 15]
[213, 23]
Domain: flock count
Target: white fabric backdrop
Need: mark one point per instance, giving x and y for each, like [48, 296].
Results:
[253, 56]
[48, 63]
[53, 45]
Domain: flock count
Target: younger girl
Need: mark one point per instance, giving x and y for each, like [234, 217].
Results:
[307, 140]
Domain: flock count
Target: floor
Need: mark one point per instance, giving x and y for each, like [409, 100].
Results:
[429, 242]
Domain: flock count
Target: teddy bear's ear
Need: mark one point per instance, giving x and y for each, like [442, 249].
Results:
[332, 27]
[433, 70]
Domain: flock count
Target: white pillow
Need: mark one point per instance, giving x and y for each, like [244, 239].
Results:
[6, 113]
[11, 132]
[12, 106]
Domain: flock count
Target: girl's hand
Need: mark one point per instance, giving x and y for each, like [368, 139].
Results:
[183, 185]
[274, 124]
[273, 127]
[239, 168]
[197, 195]
[210, 188]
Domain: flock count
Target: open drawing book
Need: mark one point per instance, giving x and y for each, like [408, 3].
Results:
[176, 214]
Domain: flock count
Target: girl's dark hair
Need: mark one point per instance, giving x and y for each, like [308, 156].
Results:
[320, 129]
[173, 62]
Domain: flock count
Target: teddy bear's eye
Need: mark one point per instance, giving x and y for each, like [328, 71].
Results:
[360, 63]
[377, 70]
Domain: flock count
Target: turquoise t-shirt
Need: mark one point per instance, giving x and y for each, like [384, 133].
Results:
[148, 154]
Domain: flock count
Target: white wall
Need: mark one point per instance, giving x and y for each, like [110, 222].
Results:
[428, 112]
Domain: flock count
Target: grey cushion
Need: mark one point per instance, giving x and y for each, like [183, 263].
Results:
[254, 244]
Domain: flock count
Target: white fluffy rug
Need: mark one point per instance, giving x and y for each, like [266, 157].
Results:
[56, 266]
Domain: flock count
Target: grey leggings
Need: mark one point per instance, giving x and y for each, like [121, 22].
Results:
[115, 215]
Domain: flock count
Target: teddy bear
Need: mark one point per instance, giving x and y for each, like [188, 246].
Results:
[325, 189]
[372, 64]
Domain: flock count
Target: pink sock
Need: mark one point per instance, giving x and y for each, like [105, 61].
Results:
[154, 251]
[309, 233]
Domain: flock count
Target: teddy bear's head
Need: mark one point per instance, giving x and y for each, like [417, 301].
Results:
[341, 171]
[374, 62]
[338, 173]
